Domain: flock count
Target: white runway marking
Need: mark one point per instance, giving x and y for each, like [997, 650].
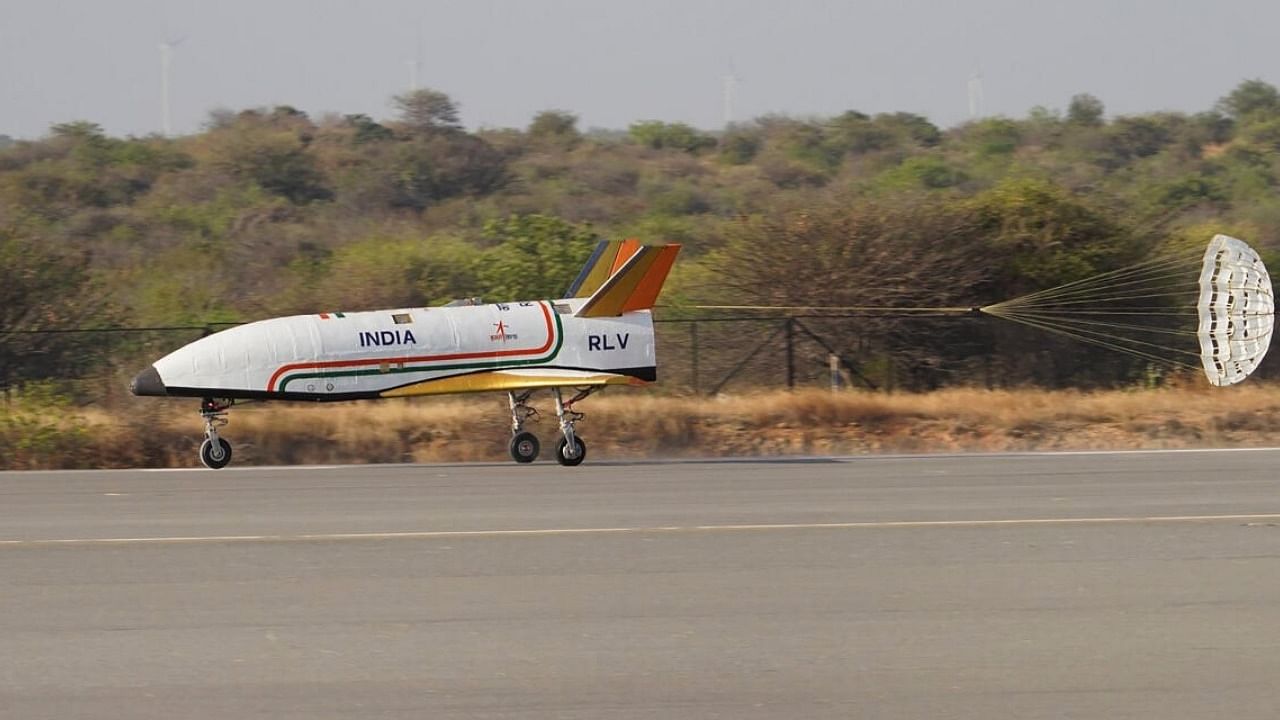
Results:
[255, 468]
[431, 534]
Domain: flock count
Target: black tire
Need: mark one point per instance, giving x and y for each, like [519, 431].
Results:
[577, 458]
[524, 447]
[215, 459]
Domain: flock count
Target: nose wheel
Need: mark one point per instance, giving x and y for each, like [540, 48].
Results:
[571, 450]
[215, 453]
[571, 458]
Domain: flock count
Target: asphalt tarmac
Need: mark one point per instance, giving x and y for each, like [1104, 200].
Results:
[1130, 585]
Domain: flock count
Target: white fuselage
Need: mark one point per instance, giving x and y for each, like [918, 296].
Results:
[410, 351]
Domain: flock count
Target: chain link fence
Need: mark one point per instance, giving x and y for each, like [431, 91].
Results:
[705, 355]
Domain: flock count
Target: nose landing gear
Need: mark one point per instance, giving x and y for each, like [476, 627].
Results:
[571, 450]
[215, 453]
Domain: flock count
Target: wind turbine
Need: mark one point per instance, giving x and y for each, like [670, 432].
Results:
[415, 65]
[166, 52]
[975, 95]
[730, 92]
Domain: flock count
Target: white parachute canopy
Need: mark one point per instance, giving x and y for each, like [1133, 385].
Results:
[1236, 309]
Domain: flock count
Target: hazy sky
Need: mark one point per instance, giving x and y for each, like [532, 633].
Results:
[613, 62]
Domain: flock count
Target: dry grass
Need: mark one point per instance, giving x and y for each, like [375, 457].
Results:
[630, 425]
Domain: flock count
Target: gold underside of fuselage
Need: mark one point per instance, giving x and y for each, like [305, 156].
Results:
[499, 380]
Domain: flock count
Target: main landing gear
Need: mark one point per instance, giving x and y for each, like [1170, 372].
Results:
[524, 447]
[524, 444]
[215, 452]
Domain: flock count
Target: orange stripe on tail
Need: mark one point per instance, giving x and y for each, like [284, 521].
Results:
[629, 248]
[635, 283]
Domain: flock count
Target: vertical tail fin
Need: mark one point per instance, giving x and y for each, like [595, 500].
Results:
[608, 256]
[633, 283]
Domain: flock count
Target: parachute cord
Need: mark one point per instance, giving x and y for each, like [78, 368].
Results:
[1147, 267]
[1087, 290]
[951, 310]
[1102, 343]
[1050, 319]
[1105, 336]
[1092, 341]
[1163, 311]
[1153, 281]
[1160, 281]
[1173, 290]
[1136, 294]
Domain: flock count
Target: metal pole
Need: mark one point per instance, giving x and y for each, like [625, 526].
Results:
[848, 365]
[791, 353]
[693, 356]
[768, 342]
[166, 125]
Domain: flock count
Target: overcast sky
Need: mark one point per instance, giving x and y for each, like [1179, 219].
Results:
[613, 62]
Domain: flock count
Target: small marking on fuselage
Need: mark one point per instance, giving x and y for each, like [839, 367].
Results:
[500, 331]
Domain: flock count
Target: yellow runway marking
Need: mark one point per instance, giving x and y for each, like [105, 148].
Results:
[434, 534]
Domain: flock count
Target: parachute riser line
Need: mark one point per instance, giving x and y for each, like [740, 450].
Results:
[949, 310]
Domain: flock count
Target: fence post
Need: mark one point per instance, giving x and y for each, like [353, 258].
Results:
[693, 359]
[791, 353]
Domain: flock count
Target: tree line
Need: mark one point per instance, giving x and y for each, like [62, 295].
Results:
[270, 211]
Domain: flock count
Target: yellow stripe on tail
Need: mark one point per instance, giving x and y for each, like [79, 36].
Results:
[600, 266]
[637, 278]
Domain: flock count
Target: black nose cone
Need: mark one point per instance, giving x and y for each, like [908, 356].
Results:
[148, 382]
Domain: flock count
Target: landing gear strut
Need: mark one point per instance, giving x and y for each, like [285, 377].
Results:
[571, 450]
[215, 452]
[524, 445]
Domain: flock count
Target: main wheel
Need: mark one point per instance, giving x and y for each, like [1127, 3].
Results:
[215, 457]
[524, 447]
[562, 450]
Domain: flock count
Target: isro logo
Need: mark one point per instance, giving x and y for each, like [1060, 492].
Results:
[379, 338]
[500, 333]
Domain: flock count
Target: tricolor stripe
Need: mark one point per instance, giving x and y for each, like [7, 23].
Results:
[482, 359]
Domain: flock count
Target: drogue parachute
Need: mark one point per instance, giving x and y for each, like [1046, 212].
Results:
[1144, 309]
[1236, 310]
[1157, 310]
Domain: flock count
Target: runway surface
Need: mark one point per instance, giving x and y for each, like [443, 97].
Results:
[1131, 585]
